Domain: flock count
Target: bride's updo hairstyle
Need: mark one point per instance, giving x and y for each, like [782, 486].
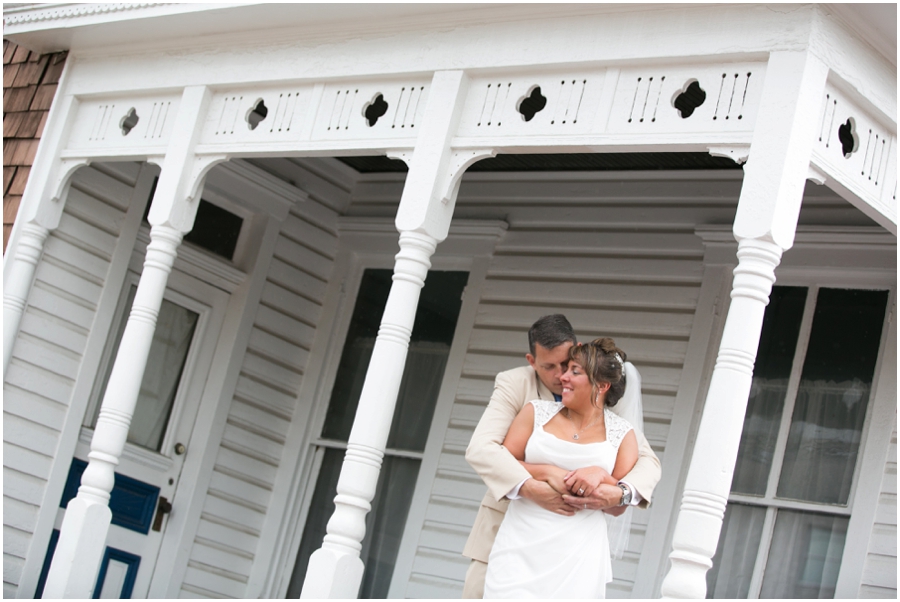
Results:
[603, 362]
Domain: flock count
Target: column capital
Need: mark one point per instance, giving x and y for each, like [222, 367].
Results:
[778, 164]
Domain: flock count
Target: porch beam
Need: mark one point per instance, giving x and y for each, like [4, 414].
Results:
[82, 539]
[765, 225]
[423, 219]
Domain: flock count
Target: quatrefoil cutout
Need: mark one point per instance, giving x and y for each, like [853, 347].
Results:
[374, 110]
[533, 103]
[127, 123]
[848, 137]
[689, 98]
[257, 114]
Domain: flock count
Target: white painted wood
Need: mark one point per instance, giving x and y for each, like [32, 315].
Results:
[764, 226]
[47, 398]
[80, 547]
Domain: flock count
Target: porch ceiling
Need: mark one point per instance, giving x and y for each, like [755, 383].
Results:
[564, 162]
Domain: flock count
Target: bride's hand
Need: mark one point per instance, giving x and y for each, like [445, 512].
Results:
[584, 481]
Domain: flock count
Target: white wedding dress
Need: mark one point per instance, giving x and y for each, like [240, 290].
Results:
[540, 554]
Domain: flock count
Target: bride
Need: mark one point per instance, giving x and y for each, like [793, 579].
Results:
[540, 554]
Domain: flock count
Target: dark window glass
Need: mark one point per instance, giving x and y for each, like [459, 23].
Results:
[435, 323]
[826, 426]
[777, 344]
[215, 229]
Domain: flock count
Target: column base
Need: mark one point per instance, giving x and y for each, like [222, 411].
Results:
[82, 541]
[332, 574]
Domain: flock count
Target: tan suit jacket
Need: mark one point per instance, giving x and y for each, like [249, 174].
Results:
[501, 471]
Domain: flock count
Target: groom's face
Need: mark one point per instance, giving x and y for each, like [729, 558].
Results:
[550, 364]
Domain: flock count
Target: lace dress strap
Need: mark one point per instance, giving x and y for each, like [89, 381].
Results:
[544, 411]
[616, 428]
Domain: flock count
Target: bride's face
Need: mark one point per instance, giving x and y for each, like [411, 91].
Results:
[576, 388]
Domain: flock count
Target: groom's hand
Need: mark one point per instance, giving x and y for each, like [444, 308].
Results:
[603, 497]
[541, 493]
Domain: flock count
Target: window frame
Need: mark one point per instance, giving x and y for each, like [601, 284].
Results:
[827, 257]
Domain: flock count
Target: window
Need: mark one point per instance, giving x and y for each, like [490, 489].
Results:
[429, 348]
[165, 364]
[791, 497]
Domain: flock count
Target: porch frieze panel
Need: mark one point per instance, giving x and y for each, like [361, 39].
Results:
[123, 125]
[857, 151]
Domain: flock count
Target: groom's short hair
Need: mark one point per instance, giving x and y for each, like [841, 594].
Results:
[550, 331]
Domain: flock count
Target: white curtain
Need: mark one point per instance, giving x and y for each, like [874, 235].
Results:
[824, 441]
[738, 546]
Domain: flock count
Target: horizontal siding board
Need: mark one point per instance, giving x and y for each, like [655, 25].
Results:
[19, 515]
[880, 571]
[65, 334]
[428, 586]
[265, 395]
[311, 235]
[287, 379]
[295, 279]
[15, 542]
[50, 299]
[40, 382]
[291, 304]
[883, 540]
[114, 180]
[222, 559]
[89, 237]
[23, 487]
[302, 257]
[440, 563]
[877, 593]
[261, 445]
[222, 585]
[244, 413]
[62, 277]
[25, 460]
[88, 208]
[227, 535]
[272, 320]
[233, 512]
[69, 254]
[47, 355]
[31, 406]
[12, 574]
[29, 435]
[273, 346]
[241, 463]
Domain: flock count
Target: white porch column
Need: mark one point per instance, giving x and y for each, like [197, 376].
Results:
[40, 212]
[765, 224]
[82, 538]
[335, 570]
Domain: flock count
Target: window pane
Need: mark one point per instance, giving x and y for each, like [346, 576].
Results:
[826, 426]
[436, 316]
[384, 523]
[805, 555]
[777, 344]
[733, 563]
[165, 363]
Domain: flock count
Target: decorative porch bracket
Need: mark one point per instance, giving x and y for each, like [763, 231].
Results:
[335, 570]
[764, 227]
[82, 540]
[42, 207]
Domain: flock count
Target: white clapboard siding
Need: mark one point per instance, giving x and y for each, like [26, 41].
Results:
[259, 418]
[879, 578]
[49, 349]
[627, 266]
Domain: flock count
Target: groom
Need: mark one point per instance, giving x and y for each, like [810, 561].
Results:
[549, 340]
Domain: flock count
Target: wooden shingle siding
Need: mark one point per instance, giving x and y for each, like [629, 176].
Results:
[250, 453]
[879, 579]
[49, 350]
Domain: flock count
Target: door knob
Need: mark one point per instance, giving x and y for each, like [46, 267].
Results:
[163, 508]
[180, 448]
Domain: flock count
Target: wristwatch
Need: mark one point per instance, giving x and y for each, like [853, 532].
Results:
[626, 495]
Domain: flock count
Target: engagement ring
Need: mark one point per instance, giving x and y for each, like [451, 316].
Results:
[580, 491]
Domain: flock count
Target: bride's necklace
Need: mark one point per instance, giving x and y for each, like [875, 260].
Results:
[575, 436]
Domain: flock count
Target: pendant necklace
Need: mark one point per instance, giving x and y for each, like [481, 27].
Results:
[575, 436]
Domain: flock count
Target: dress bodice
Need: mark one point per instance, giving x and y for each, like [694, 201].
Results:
[545, 448]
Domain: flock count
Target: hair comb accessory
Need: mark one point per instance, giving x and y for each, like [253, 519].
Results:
[620, 360]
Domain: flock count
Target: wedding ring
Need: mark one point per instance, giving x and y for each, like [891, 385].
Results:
[585, 506]
[580, 491]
